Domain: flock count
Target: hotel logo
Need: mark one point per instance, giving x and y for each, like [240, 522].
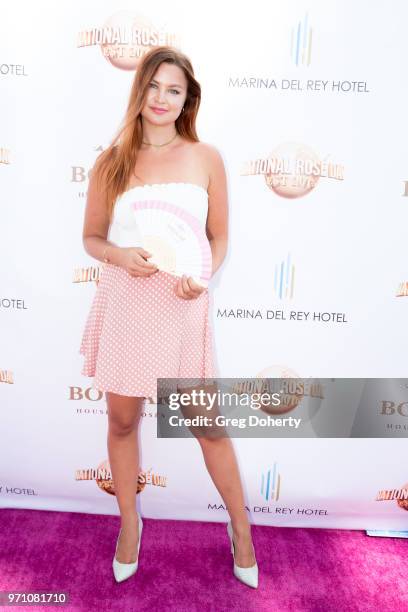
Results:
[301, 42]
[284, 279]
[271, 484]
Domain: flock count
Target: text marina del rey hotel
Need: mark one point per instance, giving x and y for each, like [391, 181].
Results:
[281, 315]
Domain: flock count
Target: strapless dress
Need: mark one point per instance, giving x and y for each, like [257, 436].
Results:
[137, 328]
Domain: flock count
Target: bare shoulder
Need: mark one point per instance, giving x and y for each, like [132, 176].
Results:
[208, 152]
[217, 220]
[211, 158]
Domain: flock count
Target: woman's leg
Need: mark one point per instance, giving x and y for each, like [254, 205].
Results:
[221, 463]
[124, 416]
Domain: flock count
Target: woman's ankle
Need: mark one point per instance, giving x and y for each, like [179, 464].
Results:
[129, 520]
[241, 529]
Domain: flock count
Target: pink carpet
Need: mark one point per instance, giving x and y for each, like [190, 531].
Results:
[187, 566]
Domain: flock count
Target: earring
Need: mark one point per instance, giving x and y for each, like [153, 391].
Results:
[182, 110]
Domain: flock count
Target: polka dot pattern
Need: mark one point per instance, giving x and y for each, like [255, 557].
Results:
[138, 330]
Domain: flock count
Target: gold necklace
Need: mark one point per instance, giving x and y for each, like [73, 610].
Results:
[160, 145]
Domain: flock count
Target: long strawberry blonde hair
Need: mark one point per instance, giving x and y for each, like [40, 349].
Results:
[114, 166]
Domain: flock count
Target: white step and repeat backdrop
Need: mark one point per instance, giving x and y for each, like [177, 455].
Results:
[306, 101]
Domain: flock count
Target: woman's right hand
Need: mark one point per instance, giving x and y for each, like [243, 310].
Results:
[133, 260]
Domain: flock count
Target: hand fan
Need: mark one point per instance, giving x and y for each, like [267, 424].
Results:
[176, 239]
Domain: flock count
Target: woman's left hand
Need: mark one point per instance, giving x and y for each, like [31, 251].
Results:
[186, 288]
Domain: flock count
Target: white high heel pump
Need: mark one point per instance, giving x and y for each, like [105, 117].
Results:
[247, 575]
[122, 571]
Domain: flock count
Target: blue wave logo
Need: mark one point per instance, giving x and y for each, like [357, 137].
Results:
[284, 279]
[301, 42]
[271, 483]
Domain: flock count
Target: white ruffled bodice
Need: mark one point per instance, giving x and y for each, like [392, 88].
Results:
[123, 230]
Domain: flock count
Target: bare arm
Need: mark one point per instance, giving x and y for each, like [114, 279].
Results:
[95, 231]
[96, 225]
[217, 220]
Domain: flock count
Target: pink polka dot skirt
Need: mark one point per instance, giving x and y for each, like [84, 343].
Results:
[138, 330]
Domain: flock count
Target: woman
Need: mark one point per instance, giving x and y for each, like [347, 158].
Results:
[145, 323]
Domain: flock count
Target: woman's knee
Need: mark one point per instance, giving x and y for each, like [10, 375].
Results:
[122, 427]
[209, 435]
[124, 414]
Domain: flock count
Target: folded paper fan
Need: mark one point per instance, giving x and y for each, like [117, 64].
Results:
[176, 239]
